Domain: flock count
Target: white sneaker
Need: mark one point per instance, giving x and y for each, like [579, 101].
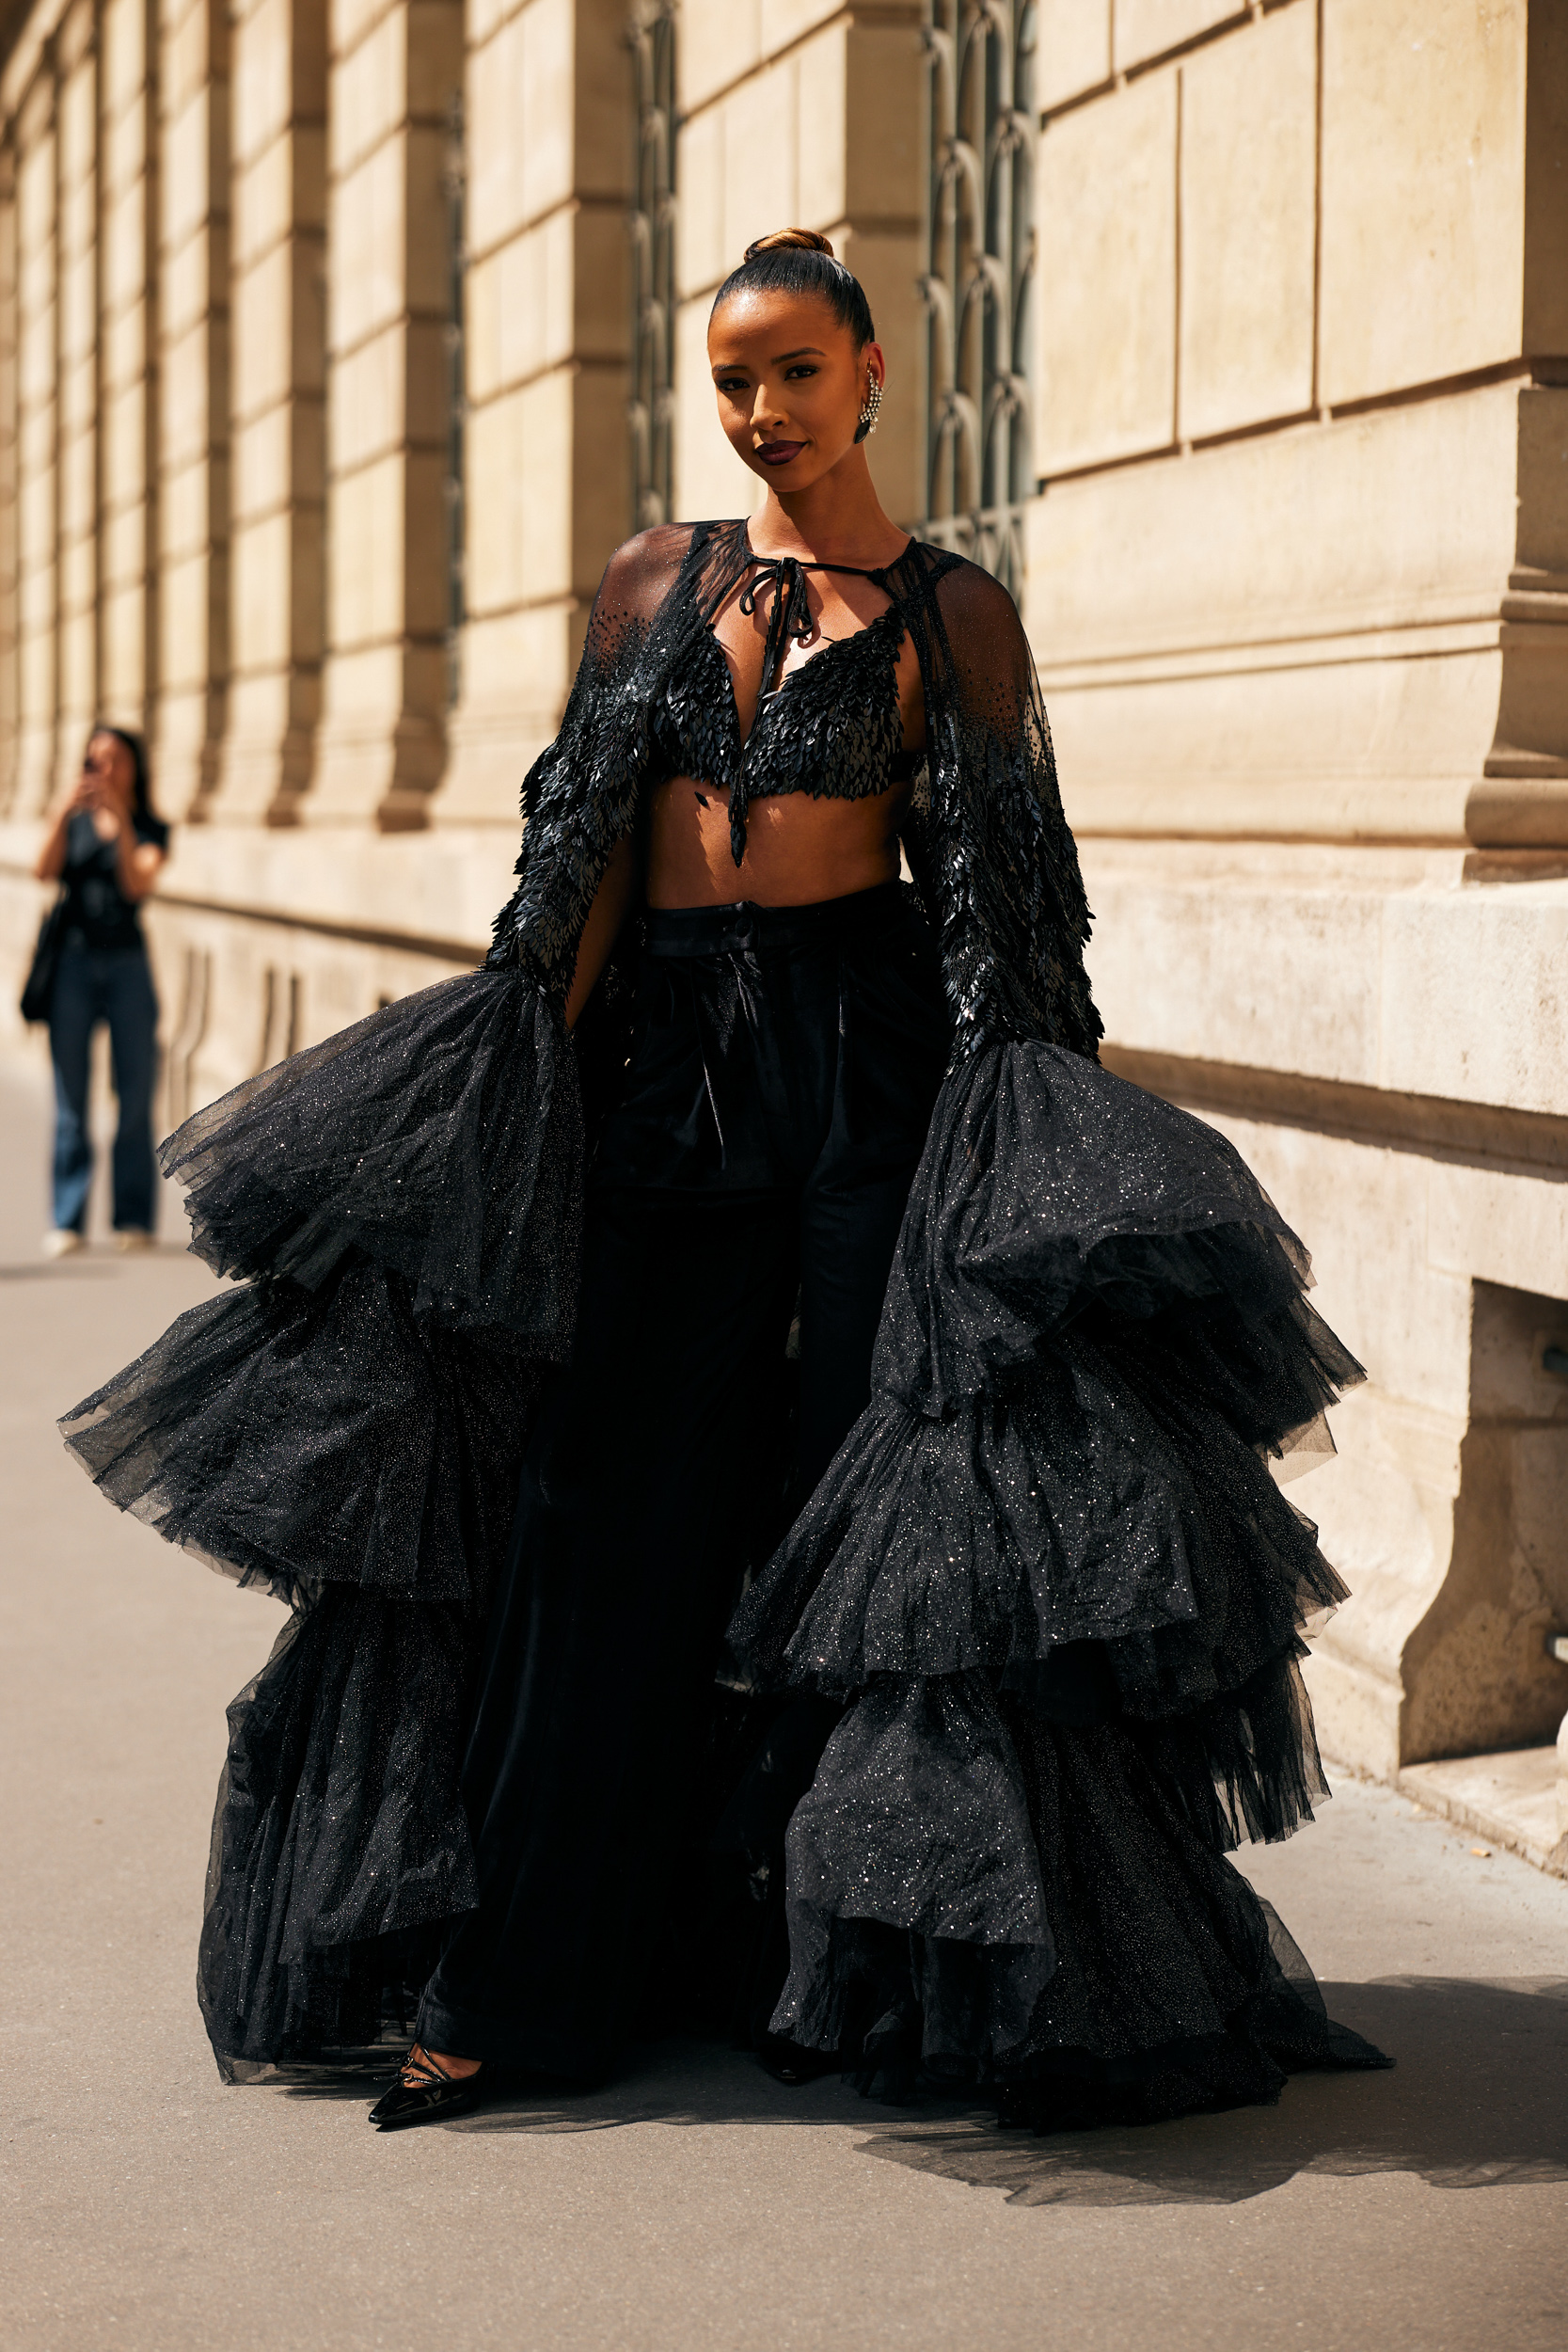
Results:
[131, 1238]
[61, 1243]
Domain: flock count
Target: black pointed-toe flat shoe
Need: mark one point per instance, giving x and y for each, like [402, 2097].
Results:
[423, 2094]
[788, 2063]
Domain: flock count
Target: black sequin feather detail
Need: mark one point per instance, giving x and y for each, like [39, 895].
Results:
[985, 835]
[1048, 1579]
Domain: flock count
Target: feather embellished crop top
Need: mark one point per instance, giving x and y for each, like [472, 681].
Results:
[983, 829]
[831, 727]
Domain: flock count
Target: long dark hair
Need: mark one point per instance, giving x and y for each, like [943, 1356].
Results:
[800, 262]
[141, 787]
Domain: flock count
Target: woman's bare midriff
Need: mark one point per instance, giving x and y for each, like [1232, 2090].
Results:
[798, 849]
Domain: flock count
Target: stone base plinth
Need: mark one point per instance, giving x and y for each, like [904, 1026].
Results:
[1510, 1800]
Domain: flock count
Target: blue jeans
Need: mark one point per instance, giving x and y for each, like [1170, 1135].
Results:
[114, 985]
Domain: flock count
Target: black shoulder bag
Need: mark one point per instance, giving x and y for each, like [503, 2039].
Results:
[39, 988]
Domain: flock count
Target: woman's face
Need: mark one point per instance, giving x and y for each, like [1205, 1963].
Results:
[106, 763]
[791, 382]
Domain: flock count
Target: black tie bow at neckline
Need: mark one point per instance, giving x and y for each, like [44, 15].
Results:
[791, 615]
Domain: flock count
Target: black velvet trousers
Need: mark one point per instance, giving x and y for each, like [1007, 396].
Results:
[745, 1206]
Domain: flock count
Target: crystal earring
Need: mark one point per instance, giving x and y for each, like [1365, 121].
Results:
[872, 404]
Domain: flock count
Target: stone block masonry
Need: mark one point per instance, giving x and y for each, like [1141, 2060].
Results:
[315, 345]
[1298, 586]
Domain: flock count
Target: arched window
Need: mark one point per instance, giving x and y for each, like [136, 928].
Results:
[651, 36]
[979, 278]
[454, 181]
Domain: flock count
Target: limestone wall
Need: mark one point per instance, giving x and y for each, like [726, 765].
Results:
[35, 518]
[312, 446]
[799, 113]
[127, 610]
[394, 71]
[550, 143]
[1298, 586]
[314, 336]
[277, 432]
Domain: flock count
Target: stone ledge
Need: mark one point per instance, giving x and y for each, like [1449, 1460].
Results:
[1463, 629]
[1272, 804]
[1511, 1799]
[434, 892]
[1487, 1133]
[1399, 969]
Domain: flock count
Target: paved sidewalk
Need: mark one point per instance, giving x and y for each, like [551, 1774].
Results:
[696, 2204]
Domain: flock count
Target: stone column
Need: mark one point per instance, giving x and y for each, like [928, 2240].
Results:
[128, 288]
[549, 160]
[7, 479]
[193, 399]
[278, 300]
[1299, 589]
[810, 114]
[37, 574]
[76, 65]
[395, 66]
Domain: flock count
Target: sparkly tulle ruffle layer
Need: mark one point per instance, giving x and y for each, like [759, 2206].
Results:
[295, 1439]
[1050, 1188]
[1157, 1984]
[1052, 1578]
[441, 1137]
[340, 1850]
[344, 1429]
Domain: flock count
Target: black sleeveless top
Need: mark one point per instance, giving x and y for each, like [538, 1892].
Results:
[98, 914]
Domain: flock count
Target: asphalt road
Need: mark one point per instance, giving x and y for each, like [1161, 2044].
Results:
[695, 2203]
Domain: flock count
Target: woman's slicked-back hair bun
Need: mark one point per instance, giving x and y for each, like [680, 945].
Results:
[801, 261]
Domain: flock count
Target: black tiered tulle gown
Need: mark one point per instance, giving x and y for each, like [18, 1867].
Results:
[1047, 1602]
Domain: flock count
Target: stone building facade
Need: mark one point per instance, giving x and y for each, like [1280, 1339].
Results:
[341, 340]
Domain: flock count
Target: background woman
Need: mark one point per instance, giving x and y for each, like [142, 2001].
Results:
[749, 1194]
[106, 846]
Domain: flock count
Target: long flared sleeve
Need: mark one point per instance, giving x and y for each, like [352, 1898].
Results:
[399, 1210]
[996, 857]
[580, 797]
[1049, 1575]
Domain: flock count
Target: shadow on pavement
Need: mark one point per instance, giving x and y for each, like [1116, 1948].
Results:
[1476, 2101]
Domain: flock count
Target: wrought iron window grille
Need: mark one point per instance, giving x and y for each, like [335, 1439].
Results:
[979, 277]
[455, 190]
[651, 410]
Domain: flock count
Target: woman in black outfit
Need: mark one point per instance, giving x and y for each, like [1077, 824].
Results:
[765, 1230]
[106, 847]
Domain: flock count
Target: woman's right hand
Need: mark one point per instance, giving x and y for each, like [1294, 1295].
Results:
[104, 791]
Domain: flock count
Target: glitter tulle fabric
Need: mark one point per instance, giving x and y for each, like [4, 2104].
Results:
[344, 1428]
[1048, 1597]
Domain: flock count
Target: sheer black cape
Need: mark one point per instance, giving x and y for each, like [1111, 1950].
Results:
[1049, 1592]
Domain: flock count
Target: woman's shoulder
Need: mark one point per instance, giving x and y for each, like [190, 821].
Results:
[149, 830]
[655, 556]
[662, 543]
[961, 584]
[981, 621]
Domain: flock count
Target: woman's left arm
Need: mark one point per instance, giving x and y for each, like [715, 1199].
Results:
[136, 863]
[1016, 918]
